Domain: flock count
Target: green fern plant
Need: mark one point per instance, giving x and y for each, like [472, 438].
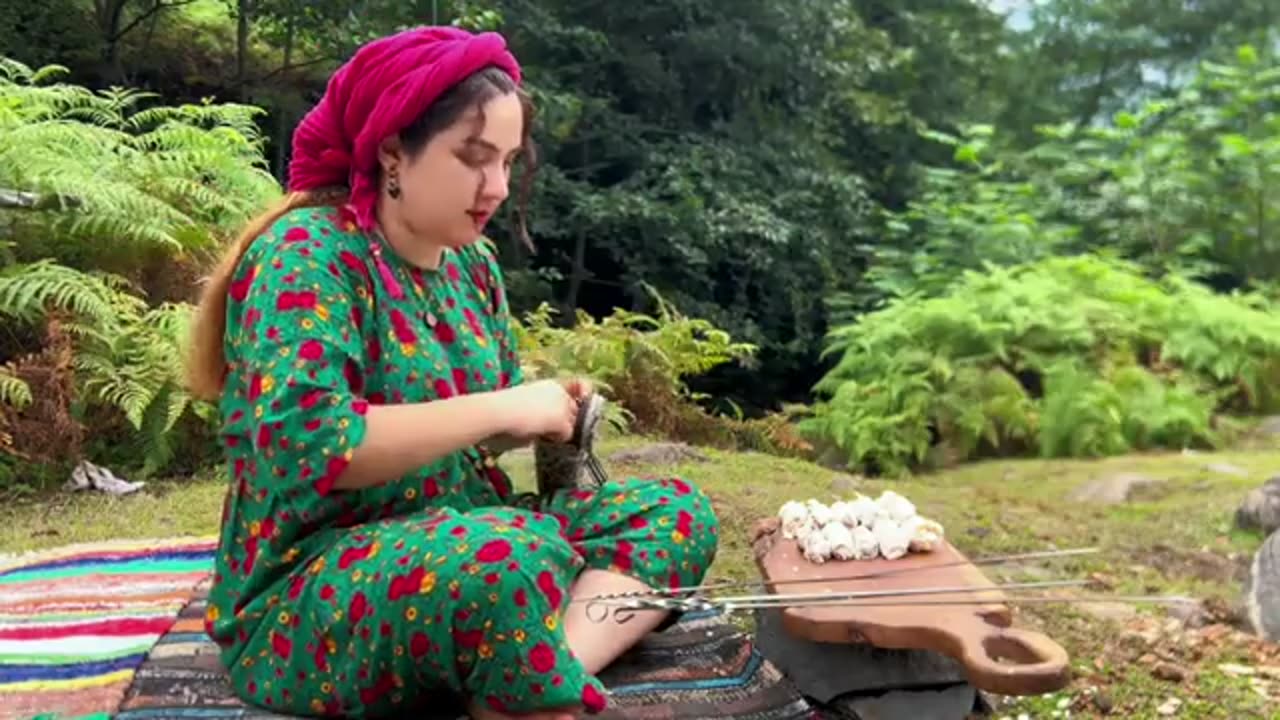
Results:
[114, 172]
[1075, 356]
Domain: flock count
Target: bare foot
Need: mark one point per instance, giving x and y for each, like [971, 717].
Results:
[479, 712]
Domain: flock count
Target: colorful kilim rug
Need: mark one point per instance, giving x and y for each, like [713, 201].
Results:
[115, 630]
[78, 621]
[701, 667]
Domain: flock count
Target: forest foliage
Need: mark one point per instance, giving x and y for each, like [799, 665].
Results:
[950, 233]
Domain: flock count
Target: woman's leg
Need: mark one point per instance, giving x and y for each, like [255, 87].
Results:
[635, 535]
[395, 611]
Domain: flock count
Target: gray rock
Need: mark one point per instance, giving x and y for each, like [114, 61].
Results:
[1227, 469]
[1269, 426]
[657, 454]
[844, 485]
[1261, 508]
[1113, 611]
[950, 703]
[1262, 590]
[1192, 613]
[1114, 489]
[826, 671]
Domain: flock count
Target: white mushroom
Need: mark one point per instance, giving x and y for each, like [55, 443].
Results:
[865, 509]
[820, 513]
[795, 519]
[816, 547]
[896, 506]
[865, 546]
[840, 539]
[925, 533]
[894, 539]
[845, 513]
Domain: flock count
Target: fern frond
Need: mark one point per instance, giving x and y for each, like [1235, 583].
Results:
[13, 390]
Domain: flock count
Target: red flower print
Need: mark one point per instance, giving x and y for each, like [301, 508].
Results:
[682, 487]
[250, 554]
[592, 700]
[375, 350]
[332, 469]
[494, 551]
[355, 380]
[320, 657]
[358, 608]
[452, 271]
[239, 289]
[460, 380]
[255, 387]
[622, 555]
[684, 523]
[353, 262]
[311, 350]
[637, 522]
[300, 300]
[264, 436]
[386, 683]
[521, 598]
[296, 234]
[351, 556]
[281, 644]
[444, 388]
[400, 325]
[474, 322]
[310, 398]
[430, 487]
[542, 658]
[419, 645]
[407, 584]
[327, 593]
[468, 639]
[547, 584]
[445, 333]
[360, 407]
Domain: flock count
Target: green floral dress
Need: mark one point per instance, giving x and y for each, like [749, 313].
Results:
[366, 603]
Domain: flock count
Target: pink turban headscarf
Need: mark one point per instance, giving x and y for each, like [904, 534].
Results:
[383, 88]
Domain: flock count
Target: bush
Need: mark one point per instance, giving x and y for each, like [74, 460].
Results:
[641, 362]
[110, 203]
[1078, 356]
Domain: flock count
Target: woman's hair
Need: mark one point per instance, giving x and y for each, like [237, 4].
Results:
[206, 362]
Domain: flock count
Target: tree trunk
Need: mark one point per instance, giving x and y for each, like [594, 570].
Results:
[578, 271]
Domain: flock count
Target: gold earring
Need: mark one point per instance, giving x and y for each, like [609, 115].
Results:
[393, 185]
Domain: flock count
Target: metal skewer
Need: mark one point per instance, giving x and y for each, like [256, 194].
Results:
[993, 560]
[597, 609]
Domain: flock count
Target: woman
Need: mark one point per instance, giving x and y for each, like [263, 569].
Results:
[358, 341]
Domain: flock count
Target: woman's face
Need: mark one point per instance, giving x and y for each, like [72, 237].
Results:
[455, 184]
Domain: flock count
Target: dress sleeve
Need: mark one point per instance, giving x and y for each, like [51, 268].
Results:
[296, 362]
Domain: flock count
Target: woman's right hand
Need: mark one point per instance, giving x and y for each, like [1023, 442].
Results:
[542, 409]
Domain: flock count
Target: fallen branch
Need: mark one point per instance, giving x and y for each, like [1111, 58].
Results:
[21, 200]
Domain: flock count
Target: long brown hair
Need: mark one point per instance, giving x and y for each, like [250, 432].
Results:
[206, 362]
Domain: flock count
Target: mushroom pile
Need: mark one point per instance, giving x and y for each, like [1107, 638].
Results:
[858, 529]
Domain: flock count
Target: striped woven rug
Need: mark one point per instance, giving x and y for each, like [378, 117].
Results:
[702, 667]
[76, 622]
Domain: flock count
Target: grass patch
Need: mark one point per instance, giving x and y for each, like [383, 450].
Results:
[1174, 538]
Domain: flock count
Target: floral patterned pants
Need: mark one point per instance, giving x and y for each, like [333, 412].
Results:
[467, 604]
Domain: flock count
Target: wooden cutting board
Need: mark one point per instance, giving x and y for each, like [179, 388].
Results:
[996, 656]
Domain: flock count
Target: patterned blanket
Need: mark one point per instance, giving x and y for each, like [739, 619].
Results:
[114, 630]
[77, 622]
